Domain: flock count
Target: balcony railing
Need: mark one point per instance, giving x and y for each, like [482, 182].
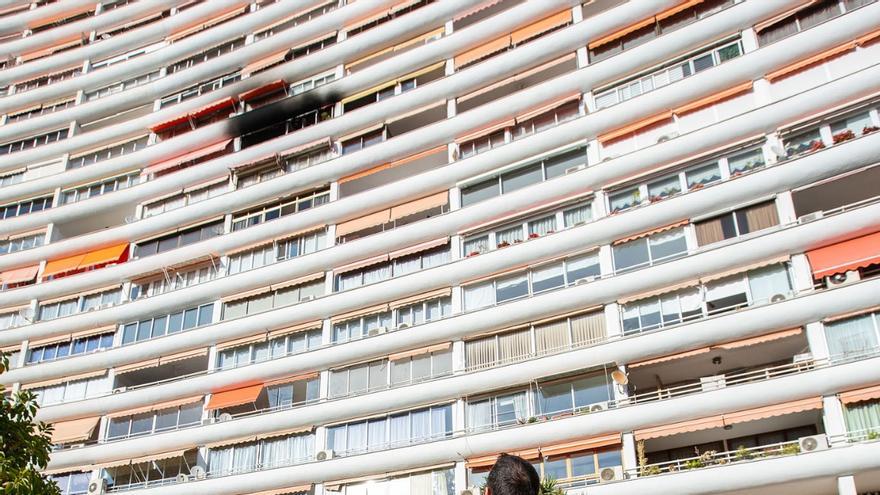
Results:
[712, 458]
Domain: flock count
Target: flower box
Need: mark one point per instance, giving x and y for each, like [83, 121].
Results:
[844, 136]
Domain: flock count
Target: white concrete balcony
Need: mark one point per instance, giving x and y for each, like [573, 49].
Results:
[277, 227]
[824, 381]
[807, 170]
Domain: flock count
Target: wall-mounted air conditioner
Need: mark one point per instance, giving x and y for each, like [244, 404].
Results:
[839, 279]
[324, 455]
[376, 331]
[611, 474]
[813, 443]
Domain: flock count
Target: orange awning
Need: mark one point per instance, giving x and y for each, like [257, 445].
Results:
[485, 461]
[235, 397]
[19, 275]
[713, 99]
[419, 205]
[482, 51]
[620, 33]
[361, 264]
[61, 14]
[815, 59]
[473, 10]
[859, 395]
[264, 62]
[192, 155]
[720, 421]
[419, 352]
[213, 107]
[78, 430]
[542, 26]
[262, 90]
[650, 232]
[669, 357]
[364, 222]
[581, 445]
[868, 38]
[112, 254]
[63, 265]
[418, 248]
[636, 126]
[779, 17]
[844, 256]
[678, 8]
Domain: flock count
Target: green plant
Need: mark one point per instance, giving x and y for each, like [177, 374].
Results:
[693, 464]
[791, 449]
[873, 435]
[26, 444]
[743, 454]
[548, 487]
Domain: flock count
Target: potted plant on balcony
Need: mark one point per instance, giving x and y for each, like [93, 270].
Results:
[534, 235]
[816, 145]
[517, 241]
[873, 435]
[473, 253]
[742, 454]
[791, 449]
[548, 487]
[844, 136]
[503, 244]
[868, 129]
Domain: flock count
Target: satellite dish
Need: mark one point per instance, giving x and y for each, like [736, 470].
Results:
[778, 151]
[197, 472]
[27, 313]
[619, 377]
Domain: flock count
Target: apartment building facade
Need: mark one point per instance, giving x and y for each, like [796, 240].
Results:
[358, 248]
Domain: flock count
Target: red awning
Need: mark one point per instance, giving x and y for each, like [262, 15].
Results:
[213, 107]
[262, 90]
[168, 124]
[19, 275]
[235, 397]
[844, 256]
[192, 155]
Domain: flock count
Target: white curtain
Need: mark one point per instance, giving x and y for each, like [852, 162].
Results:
[377, 274]
[479, 414]
[588, 328]
[376, 433]
[551, 337]
[767, 282]
[407, 264]
[275, 452]
[509, 235]
[479, 296]
[481, 353]
[244, 458]
[357, 437]
[542, 226]
[399, 426]
[725, 287]
[577, 215]
[421, 425]
[851, 336]
[420, 484]
[220, 460]
[514, 346]
[76, 390]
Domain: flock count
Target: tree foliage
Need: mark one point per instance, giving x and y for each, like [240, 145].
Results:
[24, 444]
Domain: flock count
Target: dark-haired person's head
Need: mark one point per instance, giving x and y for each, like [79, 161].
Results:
[511, 475]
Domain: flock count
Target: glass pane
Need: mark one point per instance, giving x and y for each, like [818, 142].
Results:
[630, 254]
[511, 288]
[547, 277]
[521, 178]
[699, 177]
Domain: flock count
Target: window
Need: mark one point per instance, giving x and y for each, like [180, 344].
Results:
[736, 223]
[388, 17]
[299, 19]
[545, 277]
[359, 378]
[310, 84]
[34, 142]
[185, 198]
[71, 391]
[363, 141]
[25, 207]
[179, 239]
[43, 109]
[546, 120]
[199, 89]
[273, 299]
[99, 188]
[88, 302]
[11, 320]
[76, 483]
[22, 243]
[498, 411]
[759, 286]
[650, 249]
[287, 164]
[420, 367]
[173, 279]
[206, 55]
[356, 328]
[572, 395]
[155, 421]
[108, 153]
[80, 345]
[578, 465]
[393, 268]
[568, 216]
[806, 18]
[263, 454]
[46, 80]
[437, 482]
[478, 145]
[672, 72]
[107, 62]
[303, 50]
[294, 393]
[745, 162]
[274, 348]
[149, 473]
[852, 337]
[118, 87]
[397, 430]
[804, 142]
[421, 312]
[279, 209]
[167, 324]
[532, 173]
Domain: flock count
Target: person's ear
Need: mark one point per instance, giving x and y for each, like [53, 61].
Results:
[487, 491]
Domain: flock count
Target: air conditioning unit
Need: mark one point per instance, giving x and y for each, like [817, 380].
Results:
[813, 443]
[667, 137]
[307, 298]
[585, 280]
[376, 331]
[324, 455]
[816, 215]
[403, 325]
[571, 170]
[713, 382]
[224, 417]
[119, 390]
[197, 473]
[182, 478]
[839, 279]
[611, 474]
[599, 407]
[97, 487]
[801, 358]
[775, 298]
